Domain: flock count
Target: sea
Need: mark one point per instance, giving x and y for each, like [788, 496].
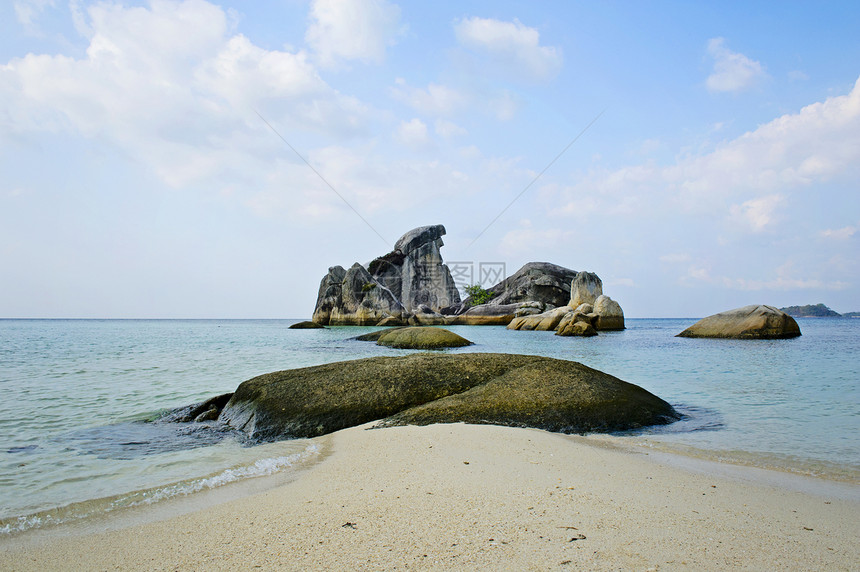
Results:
[78, 401]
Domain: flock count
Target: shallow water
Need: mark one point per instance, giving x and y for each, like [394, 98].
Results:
[75, 392]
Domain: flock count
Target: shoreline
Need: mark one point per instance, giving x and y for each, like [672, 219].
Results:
[481, 496]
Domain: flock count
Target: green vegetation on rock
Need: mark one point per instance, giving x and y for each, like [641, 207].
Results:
[478, 294]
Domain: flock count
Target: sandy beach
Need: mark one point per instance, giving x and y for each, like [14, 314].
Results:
[489, 498]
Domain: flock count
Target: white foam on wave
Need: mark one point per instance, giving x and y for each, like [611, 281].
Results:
[261, 468]
[78, 511]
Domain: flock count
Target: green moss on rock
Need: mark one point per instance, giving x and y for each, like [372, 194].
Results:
[421, 338]
[502, 389]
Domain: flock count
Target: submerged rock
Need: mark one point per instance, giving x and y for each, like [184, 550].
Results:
[421, 338]
[204, 411]
[502, 389]
[306, 325]
[755, 322]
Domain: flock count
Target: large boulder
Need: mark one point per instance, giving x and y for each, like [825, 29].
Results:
[502, 389]
[585, 288]
[543, 322]
[421, 338]
[755, 322]
[580, 328]
[610, 316]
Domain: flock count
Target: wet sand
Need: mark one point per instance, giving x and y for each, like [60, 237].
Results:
[488, 498]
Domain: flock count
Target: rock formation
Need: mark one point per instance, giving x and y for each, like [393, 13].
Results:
[411, 280]
[540, 282]
[500, 389]
[412, 286]
[588, 306]
[755, 322]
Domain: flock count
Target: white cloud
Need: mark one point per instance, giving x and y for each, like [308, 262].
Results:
[841, 233]
[527, 240]
[504, 107]
[797, 75]
[782, 283]
[741, 177]
[170, 87]
[352, 29]
[28, 10]
[448, 129]
[675, 258]
[512, 45]
[435, 99]
[626, 282]
[732, 71]
[413, 134]
[757, 213]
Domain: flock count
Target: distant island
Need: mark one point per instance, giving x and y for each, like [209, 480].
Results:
[816, 311]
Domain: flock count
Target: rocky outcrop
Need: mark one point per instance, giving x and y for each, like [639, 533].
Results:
[421, 338]
[755, 322]
[592, 311]
[501, 389]
[414, 271]
[408, 281]
[539, 296]
[412, 286]
[363, 301]
[541, 283]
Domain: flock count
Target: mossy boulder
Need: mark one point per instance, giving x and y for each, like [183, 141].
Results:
[421, 338]
[501, 389]
[306, 325]
[373, 336]
[755, 322]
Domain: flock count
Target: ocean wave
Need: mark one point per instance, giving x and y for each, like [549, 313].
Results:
[78, 511]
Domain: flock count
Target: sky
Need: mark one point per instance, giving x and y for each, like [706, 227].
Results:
[194, 159]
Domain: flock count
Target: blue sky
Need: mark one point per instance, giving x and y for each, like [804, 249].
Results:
[137, 178]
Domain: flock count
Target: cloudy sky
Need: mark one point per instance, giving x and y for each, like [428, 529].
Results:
[152, 154]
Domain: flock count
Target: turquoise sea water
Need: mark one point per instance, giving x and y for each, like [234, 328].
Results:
[74, 393]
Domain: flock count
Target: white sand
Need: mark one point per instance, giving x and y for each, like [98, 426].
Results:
[481, 497]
